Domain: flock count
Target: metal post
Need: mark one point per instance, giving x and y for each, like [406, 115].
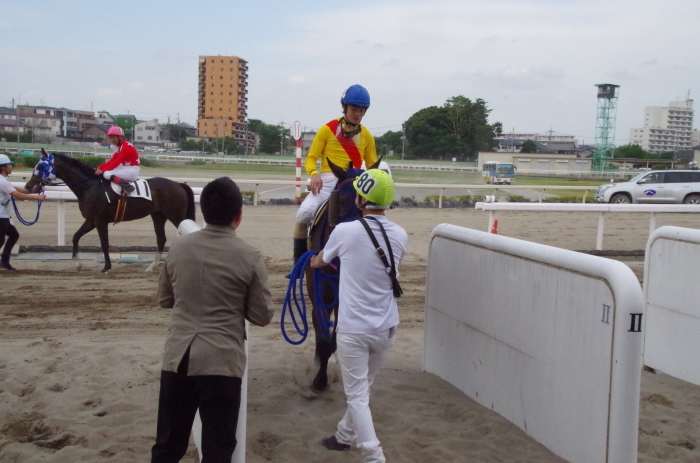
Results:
[541, 195]
[652, 223]
[61, 223]
[492, 217]
[442, 191]
[255, 198]
[585, 193]
[601, 228]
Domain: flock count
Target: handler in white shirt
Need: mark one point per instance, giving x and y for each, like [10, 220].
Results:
[367, 313]
[7, 228]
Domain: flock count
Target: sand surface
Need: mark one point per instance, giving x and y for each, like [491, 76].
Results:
[80, 357]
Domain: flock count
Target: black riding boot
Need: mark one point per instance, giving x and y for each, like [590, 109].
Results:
[127, 186]
[300, 247]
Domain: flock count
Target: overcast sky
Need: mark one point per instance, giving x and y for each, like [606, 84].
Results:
[534, 61]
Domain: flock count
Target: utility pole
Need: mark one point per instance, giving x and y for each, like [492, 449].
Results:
[403, 139]
[281, 137]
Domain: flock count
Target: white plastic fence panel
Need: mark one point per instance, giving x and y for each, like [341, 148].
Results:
[671, 293]
[548, 338]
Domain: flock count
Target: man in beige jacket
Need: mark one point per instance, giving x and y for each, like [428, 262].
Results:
[213, 281]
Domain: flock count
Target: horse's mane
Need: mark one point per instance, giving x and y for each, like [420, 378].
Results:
[75, 164]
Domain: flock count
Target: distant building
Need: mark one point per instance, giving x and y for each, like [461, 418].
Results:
[127, 123]
[543, 137]
[97, 132]
[8, 121]
[148, 132]
[307, 138]
[695, 137]
[85, 119]
[105, 118]
[223, 99]
[191, 130]
[666, 128]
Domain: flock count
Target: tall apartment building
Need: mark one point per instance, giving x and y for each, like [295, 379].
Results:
[666, 128]
[223, 99]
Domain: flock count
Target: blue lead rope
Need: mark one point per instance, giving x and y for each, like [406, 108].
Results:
[19, 217]
[295, 295]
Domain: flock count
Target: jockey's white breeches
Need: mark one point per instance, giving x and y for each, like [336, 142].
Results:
[308, 207]
[128, 173]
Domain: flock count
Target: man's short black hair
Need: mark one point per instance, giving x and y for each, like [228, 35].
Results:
[220, 201]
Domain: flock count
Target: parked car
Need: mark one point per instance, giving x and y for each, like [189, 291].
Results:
[655, 187]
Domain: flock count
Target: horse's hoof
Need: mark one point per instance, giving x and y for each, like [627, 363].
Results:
[318, 389]
[79, 266]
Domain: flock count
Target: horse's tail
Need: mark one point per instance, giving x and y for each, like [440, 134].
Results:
[190, 201]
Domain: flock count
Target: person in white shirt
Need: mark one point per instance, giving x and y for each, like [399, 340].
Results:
[7, 228]
[367, 312]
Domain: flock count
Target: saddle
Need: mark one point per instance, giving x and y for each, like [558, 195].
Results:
[141, 190]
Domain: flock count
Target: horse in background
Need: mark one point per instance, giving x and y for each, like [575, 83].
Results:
[98, 202]
[340, 208]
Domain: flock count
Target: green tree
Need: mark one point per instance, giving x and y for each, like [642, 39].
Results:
[529, 146]
[270, 136]
[459, 128]
[175, 132]
[637, 152]
[390, 141]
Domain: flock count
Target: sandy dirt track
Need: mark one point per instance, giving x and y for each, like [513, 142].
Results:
[80, 357]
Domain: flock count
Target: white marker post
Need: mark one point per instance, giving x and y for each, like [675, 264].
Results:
[296, 133]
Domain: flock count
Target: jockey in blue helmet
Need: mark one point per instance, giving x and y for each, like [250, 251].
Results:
[342, 141]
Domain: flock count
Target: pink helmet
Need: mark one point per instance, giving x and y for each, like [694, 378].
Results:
[115, 130]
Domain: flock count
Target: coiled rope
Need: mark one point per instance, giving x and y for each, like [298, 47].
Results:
[295, 295]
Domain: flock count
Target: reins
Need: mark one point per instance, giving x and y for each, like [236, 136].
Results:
[19, 216]
[295, 295]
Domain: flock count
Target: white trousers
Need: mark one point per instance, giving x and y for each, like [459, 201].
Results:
[361, 356]
[307, 209]
[128, 173]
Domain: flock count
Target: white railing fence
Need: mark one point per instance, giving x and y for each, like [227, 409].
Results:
[601, 209]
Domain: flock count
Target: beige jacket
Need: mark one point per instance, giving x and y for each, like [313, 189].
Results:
[213, 281]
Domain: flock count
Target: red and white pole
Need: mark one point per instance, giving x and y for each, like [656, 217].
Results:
[296, 133]
[298, 197]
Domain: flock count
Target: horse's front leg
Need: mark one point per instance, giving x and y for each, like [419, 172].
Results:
[325, 347]
[102, 230]
[325, 344]
[159, 220]
[85, 228]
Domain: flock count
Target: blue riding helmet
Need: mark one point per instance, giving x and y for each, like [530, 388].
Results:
[356, 95]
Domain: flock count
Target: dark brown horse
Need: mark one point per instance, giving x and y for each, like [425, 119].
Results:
[98, 202]
[341, 208]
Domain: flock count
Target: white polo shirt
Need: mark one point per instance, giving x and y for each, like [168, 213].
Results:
[366, 299]
[6, 188]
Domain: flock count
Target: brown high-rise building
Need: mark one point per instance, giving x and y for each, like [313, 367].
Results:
[223, 100]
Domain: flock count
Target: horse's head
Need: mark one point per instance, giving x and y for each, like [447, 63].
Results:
[44, 173]
[344, 195]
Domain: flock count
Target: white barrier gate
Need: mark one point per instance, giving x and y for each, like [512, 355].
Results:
[548, 338]
[671, 294]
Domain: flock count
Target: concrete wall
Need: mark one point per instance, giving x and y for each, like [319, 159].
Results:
[540, 335]
[672, 336]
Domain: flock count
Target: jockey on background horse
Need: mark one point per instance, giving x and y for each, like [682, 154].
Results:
[124, 166]
[341, 140]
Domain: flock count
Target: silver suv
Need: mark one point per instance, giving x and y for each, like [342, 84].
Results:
[655, 187]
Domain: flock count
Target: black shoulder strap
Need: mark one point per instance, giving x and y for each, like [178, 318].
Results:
[389, 268]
